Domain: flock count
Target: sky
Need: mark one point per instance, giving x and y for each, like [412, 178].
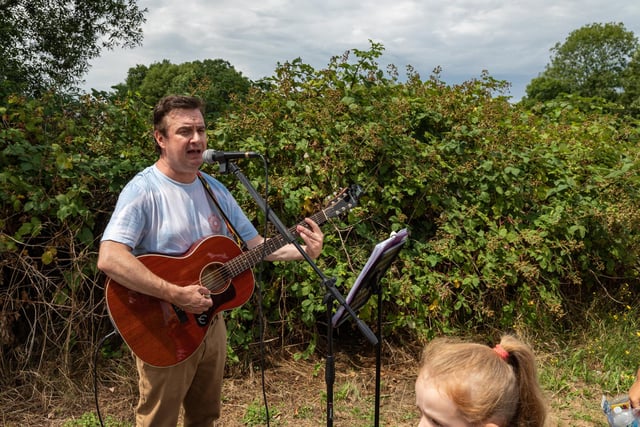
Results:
[510, 39]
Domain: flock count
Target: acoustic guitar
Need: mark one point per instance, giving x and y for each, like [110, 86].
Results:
[162, 334]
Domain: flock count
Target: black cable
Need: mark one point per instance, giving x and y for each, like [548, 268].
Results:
[262, 355]
[95, 373]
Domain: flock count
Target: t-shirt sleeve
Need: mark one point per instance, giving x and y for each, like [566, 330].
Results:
[127, 223]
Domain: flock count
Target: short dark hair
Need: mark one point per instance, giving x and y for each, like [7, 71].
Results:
[174, 102]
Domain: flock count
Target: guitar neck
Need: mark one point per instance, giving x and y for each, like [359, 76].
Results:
[254, 256]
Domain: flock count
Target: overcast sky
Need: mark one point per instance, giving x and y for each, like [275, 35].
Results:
[508, 38]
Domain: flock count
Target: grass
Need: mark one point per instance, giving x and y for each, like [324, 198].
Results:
[90, 419]
[256, 415]
[600, 358]
[576, 367]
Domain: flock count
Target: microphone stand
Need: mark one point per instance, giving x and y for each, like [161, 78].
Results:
[332, 292]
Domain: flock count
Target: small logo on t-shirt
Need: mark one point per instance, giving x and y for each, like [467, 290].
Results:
[215, 223]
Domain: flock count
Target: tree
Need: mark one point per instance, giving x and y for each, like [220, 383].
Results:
[48, 45]
[630, 96]
[591, 62]
[151, 83]
[214, 80]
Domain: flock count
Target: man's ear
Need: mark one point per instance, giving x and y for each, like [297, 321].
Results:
[157, 135]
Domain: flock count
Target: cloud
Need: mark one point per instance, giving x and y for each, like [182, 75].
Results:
[509, 39]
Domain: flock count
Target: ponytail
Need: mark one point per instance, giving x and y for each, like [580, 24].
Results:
[532, 409]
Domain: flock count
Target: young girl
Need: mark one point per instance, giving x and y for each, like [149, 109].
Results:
[463, 384]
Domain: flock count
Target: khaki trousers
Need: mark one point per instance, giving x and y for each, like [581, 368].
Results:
[195, 383]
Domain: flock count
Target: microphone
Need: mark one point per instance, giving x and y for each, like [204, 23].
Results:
[214, 156]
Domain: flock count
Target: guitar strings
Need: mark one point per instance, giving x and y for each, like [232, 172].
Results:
[217, 279]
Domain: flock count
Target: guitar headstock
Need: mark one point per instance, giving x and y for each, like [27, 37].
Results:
[346, 199]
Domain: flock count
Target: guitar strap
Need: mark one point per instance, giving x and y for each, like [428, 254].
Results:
[230, 227]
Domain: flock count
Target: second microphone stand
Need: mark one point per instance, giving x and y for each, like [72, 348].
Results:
[329, 283]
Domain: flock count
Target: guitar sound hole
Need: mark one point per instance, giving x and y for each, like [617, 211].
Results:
[213, 278]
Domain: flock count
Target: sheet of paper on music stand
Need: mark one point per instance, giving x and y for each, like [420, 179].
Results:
[379, 260]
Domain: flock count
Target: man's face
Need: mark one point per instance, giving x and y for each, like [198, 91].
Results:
[184, 142]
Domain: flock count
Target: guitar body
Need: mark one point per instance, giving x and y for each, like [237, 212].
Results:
[160, 333]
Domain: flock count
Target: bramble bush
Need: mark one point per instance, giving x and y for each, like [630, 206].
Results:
[518, 216]
[63, 163]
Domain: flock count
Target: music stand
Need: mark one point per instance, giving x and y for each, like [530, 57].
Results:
[367, 284]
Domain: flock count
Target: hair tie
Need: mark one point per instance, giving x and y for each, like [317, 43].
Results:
[504, 354]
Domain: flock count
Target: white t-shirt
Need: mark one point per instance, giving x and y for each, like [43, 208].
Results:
[155, 214]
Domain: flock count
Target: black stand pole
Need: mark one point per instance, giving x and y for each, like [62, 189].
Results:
[329, 284]
[378, 290]
[367, 284]
[329, 373]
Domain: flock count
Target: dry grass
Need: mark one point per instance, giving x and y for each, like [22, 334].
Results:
[295, 391]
